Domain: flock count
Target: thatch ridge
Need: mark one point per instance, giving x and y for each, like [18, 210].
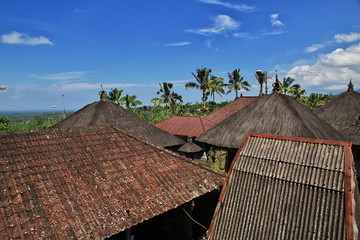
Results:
[276, 114]
[105, 112]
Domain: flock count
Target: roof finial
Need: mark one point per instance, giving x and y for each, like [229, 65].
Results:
[350, 86]
[102, 94]
[276, 85]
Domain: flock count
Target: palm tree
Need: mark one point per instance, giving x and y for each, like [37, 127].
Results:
[296, 92]
[315, 100]
[216, 86]
[287, 83]
[236, 82]
[167, 97]
[130, 101]
[114, 96]
[261, 77]
[202, 83]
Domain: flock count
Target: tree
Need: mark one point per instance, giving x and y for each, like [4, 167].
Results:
[261, 77]
[237, 83]
[216, 86]
[296, 92]
[167, 97]
[114, 96]
[286, 84]
[130, 101]
[202, 83]
[315, 100]
[4, 124]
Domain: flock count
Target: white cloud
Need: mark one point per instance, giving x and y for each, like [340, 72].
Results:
[331, 71]
[274, 20]
[22, 38]
[342, 58]
[60, 76]
[239, 7]
[273, 33]
[314, 47]
[87, 86]
[178, 44]
[222, 25]
[351, 37]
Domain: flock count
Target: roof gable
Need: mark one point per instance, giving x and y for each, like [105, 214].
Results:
[287, 188]
[90, 182]
[185, 126]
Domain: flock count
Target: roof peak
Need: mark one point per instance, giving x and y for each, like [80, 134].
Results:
[102, 94]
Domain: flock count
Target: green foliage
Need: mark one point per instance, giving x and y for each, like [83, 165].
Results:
[168, 97]
[202, 82]
[114, 96]
[287, 84]
[130, 102]
[4, 124]
[316, 100]
[216, 86]
[237, 83]
[29, 121]
[217, 159]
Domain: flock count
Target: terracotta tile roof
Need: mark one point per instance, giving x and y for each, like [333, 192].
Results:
[230, 109]
[90, 182]
[185, 126]
[288, 188]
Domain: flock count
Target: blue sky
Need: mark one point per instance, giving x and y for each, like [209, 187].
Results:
[50, 48]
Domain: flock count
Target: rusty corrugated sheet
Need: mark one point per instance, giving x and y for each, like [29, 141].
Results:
[230, 109]
[90, 182]
[185, 126]
[287, 188]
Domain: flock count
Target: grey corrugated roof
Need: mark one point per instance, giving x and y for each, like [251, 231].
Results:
[286, 188]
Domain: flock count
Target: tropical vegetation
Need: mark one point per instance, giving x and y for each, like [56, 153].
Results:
[169, 103]
[237, 83]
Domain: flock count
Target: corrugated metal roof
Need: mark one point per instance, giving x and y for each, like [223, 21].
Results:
[185, 126]
[230, 109]
[287, 188]
[90, 182]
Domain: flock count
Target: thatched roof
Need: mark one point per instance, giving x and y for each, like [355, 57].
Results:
[341, 113]
[352, 134]
[229, 109]
[272, 114]
[108, 113]
[190, 147]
